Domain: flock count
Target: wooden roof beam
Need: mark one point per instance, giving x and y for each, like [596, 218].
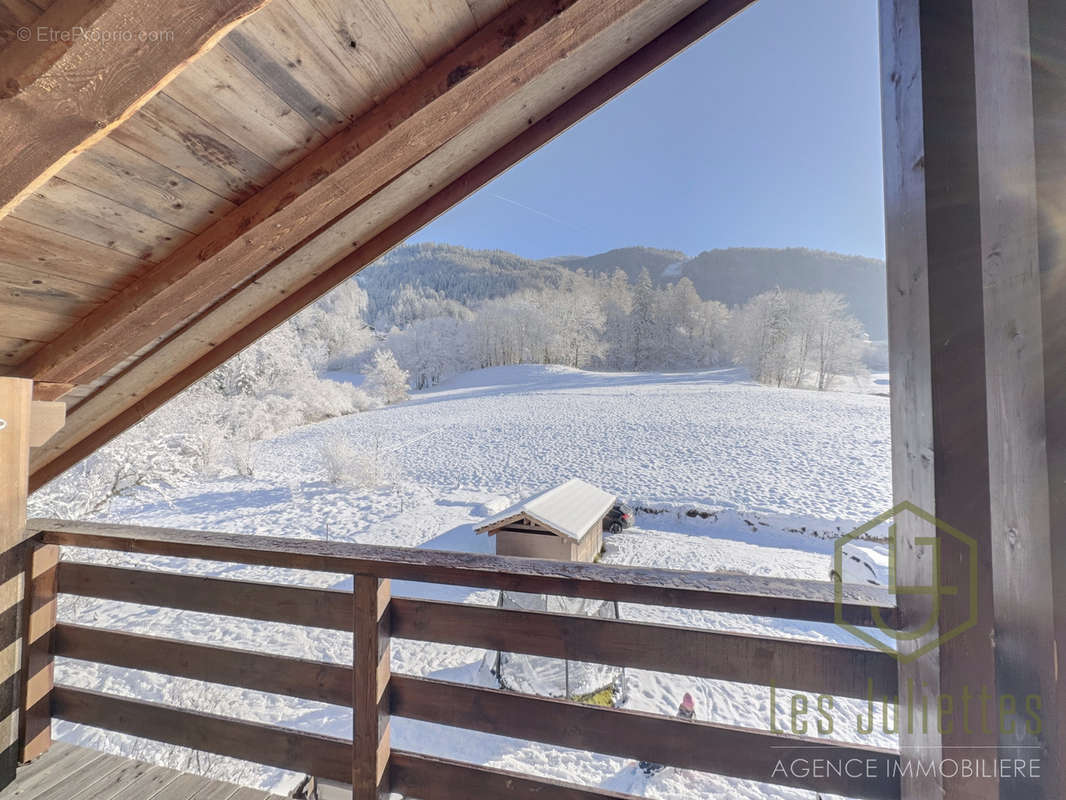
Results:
[84, 67]
[487, 69]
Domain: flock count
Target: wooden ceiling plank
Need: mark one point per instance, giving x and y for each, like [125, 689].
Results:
[132, 179]
[63, 100]
[14, 350]
[222, 92]
[368, 40]
[64, 207]
[20, 321]
[43, 292]
[27, 245]
[167, 132]
[147, 386]
[489, 68]
[434, 26]
[277, 48]
[485, 10]
[66, 293]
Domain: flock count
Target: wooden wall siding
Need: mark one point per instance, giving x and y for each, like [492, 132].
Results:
[418, 185]
[1047, 32]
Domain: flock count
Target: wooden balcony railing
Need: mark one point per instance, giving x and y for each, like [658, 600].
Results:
[375, 694]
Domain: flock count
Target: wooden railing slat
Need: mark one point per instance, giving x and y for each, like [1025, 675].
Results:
[268, 602]
[416, 775]
[821, 668]
[310, 753]
[274, 674]
[740, 594]
[816, 667]
[720, 749]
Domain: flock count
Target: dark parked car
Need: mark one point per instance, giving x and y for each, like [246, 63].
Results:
[620, 516]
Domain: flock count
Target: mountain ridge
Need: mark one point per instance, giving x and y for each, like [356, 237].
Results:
[452, 274]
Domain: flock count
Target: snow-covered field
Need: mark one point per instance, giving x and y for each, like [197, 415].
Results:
[781, 471]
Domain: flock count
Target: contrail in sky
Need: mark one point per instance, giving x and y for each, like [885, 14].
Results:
[535, 211]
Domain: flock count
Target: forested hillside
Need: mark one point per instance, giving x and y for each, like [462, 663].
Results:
[428, 280]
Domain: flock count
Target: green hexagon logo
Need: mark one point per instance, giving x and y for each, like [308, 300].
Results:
[936, 591]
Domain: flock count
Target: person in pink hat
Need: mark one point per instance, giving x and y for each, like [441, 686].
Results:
[687, 709]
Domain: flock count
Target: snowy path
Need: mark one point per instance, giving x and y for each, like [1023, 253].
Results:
[770, 460]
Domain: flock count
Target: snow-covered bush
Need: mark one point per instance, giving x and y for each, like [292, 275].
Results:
[359, 465]
[385, 379]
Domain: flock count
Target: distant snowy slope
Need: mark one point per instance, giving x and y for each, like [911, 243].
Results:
[708, 438]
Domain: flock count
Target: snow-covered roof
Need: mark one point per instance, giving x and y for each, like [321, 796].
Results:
[569, 509]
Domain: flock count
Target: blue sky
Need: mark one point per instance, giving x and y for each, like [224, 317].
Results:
[765, 133]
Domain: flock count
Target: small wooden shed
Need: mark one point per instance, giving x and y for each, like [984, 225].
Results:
[564, 523]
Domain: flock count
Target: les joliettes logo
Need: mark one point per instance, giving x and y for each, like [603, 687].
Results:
[937, 589]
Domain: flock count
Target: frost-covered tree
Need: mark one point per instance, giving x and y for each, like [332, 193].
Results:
[788, 338]
[386, 380]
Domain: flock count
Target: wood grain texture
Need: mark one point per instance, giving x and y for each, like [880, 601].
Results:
[491, 67]
[780, 597]
[258, 307]
[23, 244]
[95, 83]
[249, 741]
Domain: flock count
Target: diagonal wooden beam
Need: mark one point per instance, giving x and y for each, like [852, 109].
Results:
[124, 402]
[489, 68]
[84, 67]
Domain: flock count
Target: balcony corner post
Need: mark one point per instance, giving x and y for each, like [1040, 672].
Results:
[38, 624]
[371, 705]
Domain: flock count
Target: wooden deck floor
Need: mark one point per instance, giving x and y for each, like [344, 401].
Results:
[67, 772]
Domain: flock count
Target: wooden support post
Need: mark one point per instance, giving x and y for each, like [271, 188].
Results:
[971, 408]
[39, 621]
[15, 398]
[370, 753]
